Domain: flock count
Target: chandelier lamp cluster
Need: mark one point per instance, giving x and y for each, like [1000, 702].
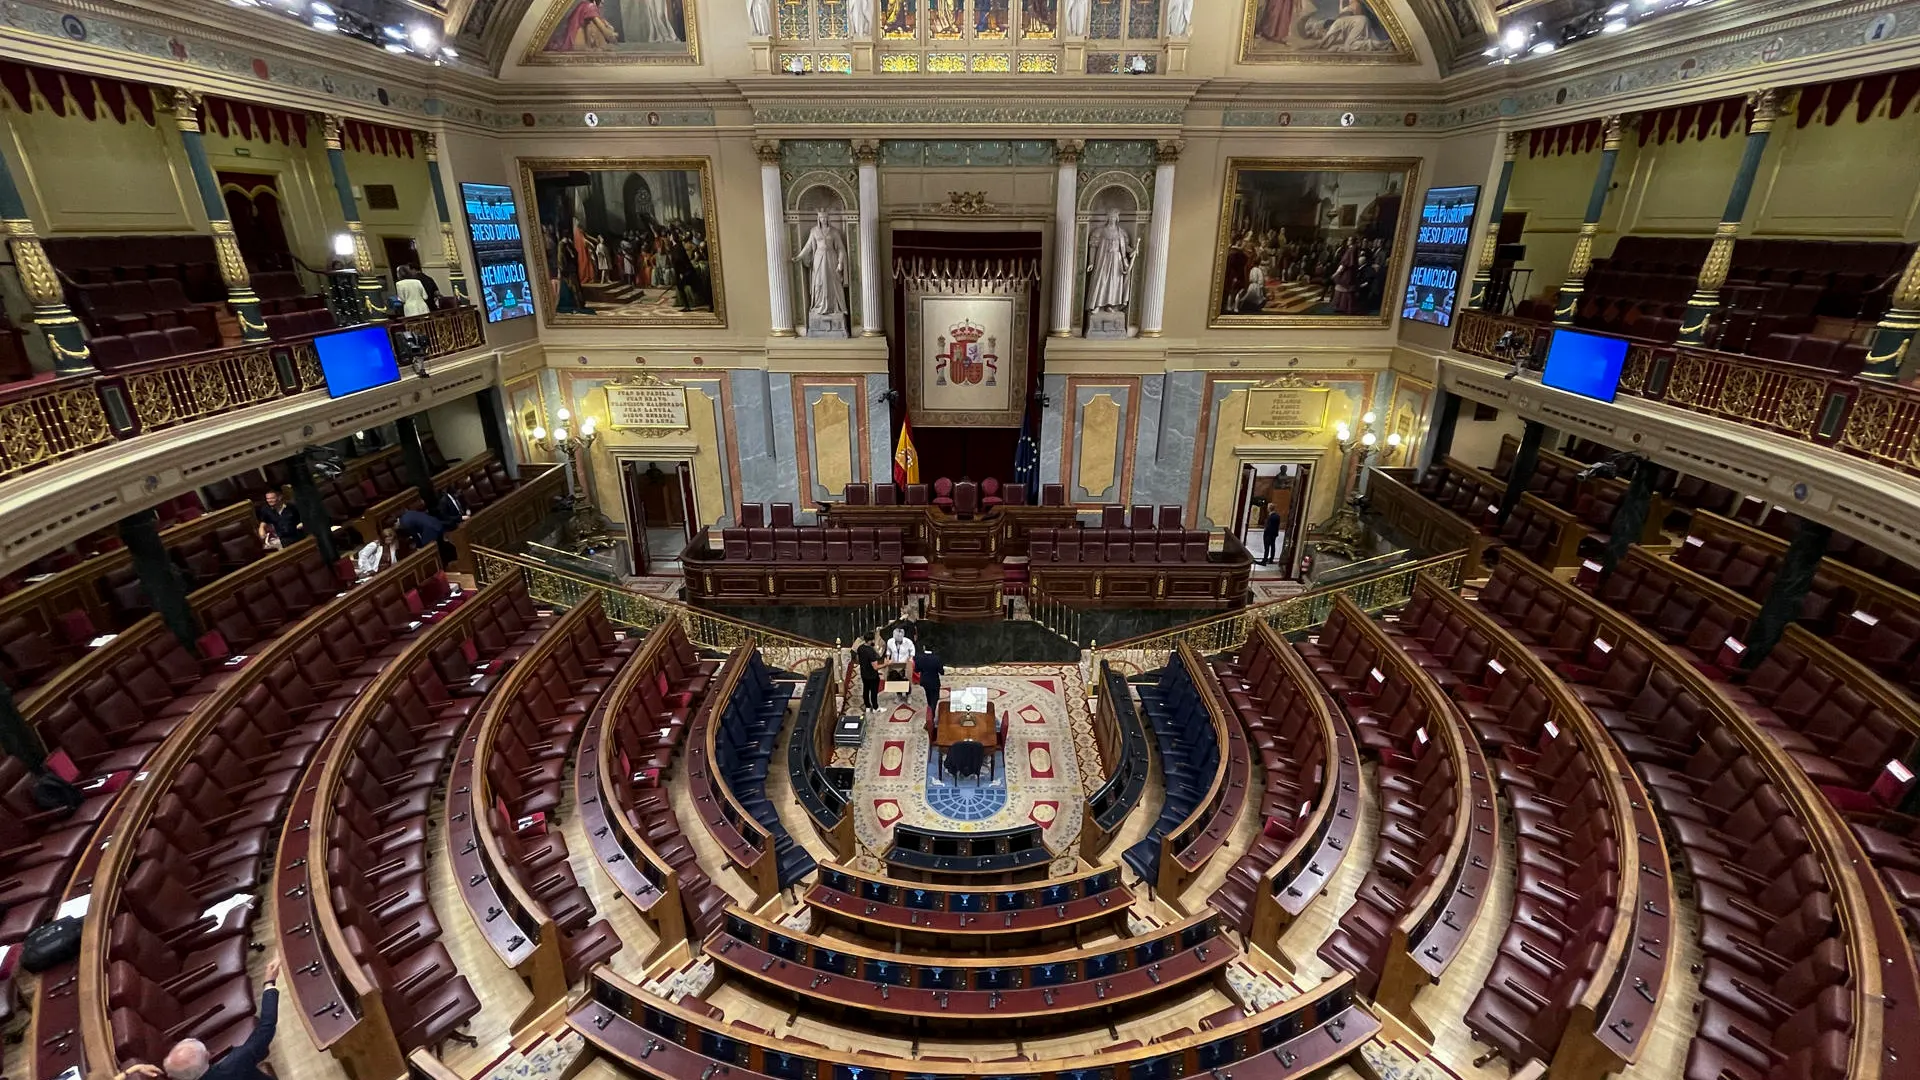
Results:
[586, 529]
[418, 39]
[1520, 39]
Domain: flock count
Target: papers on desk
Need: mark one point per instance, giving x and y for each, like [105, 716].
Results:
[223, 913]
[101, 640]
[75, 908]
[968, 699]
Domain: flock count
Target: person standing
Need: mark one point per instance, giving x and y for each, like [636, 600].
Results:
[1270, 534]
[279, 521]
[867, 658]
[930, 668]
[900, 653]
[412, 294]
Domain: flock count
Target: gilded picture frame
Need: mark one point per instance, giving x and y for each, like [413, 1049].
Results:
[1287, 214]
[590, 46]
[1322, 32]
[551, 205]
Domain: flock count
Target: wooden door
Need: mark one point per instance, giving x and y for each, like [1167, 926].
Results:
[1242, 500]
[632, 484]
[1296, 520]
[689, 516]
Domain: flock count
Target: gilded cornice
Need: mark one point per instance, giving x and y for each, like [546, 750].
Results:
[1719, 49]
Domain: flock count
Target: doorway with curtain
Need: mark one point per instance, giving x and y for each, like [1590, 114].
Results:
[1274, 487]
[259, 219]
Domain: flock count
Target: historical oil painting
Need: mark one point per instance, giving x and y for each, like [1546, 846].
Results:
[616, 31]
[1310, 242]
[627, 242]
[1322, 31]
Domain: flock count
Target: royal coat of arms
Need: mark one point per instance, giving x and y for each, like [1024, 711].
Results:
[963, 359]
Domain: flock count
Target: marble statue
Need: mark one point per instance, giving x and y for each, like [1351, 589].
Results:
[1078, 12]
[760, 17]
[1110, 253]
[1179, 17]
[860, 19]
[827, 275]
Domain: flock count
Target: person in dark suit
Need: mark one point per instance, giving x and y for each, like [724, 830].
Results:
[1270, 534]
[188, 1060]
[928, 664]
[451, 511]
[867, 658]
[424, 528]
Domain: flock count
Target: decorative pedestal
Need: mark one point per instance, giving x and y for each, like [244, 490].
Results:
[827, 325]
[1106, 324]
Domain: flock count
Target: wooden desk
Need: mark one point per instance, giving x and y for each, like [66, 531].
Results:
[954, 727]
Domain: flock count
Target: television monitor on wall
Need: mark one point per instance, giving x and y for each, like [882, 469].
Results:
[1584, 364]
[1440, 254]
[357, 359]
[494, 230]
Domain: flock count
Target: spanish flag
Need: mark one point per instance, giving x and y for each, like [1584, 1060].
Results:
[906, 460]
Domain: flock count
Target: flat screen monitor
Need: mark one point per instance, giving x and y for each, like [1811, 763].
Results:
[1440, 254]
[357, 359]
[494, 231]
[1584, 364]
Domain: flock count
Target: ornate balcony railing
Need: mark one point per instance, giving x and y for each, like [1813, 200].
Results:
[1867, 418]
[46, 421]
[1375, 592]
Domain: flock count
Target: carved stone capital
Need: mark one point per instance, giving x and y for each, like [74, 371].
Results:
[1515, 140]
[1067, 151]
[331, 128]
[1613, 131]
[1765, 106]
[186, 108]
[767, 150]
[866, 151]
[431, 142]
[1167, 151]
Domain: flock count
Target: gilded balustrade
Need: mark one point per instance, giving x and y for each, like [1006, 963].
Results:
[1883, 426]
[707, 629]
[1373, 593]
[45, 422]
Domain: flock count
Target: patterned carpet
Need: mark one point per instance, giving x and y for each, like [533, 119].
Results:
[1037, 778]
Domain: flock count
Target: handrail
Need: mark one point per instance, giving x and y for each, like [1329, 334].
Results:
[664, 911]
[1408, 965]
[1220, 633]
[71, 415]
[1839, 856]
[862, 876]
[1186, 847]
[706, 629]
[1865, 584]
[1272, 912]
[328, 770]
[1872, 419]
[1637, 843]
[542, 967]
[703, 737]
[1330, 999]
[145, 791]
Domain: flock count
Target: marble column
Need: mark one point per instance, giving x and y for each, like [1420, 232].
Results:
[1483, 271]
[65, 338]
[1613, 132]
[456, 277]
[1764, 110]
[373, 296]
[1893, 338]
[873, 323]
[1066, 215]
[233, 268]
[1153, 297]
[773, 211]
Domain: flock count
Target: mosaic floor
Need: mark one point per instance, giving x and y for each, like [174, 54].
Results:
[1049, 764]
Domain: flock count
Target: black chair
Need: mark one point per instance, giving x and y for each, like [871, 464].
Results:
[965, 759]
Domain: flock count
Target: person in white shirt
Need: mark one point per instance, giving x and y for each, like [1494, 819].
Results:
[379, 554]
[900, 653]
[412, 294]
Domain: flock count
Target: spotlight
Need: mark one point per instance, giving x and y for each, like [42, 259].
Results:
[422, 38]
[1515, 39]
[343, 245]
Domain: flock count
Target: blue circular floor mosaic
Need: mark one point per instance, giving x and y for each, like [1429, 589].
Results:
[966, 800]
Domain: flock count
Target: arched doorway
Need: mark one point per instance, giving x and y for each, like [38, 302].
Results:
[259, 219]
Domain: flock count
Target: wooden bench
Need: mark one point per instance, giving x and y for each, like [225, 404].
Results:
[982, 917]
[1125, 756]
[1188, 848]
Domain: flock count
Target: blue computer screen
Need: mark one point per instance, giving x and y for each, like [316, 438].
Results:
[357, 359]
[1584, 364]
